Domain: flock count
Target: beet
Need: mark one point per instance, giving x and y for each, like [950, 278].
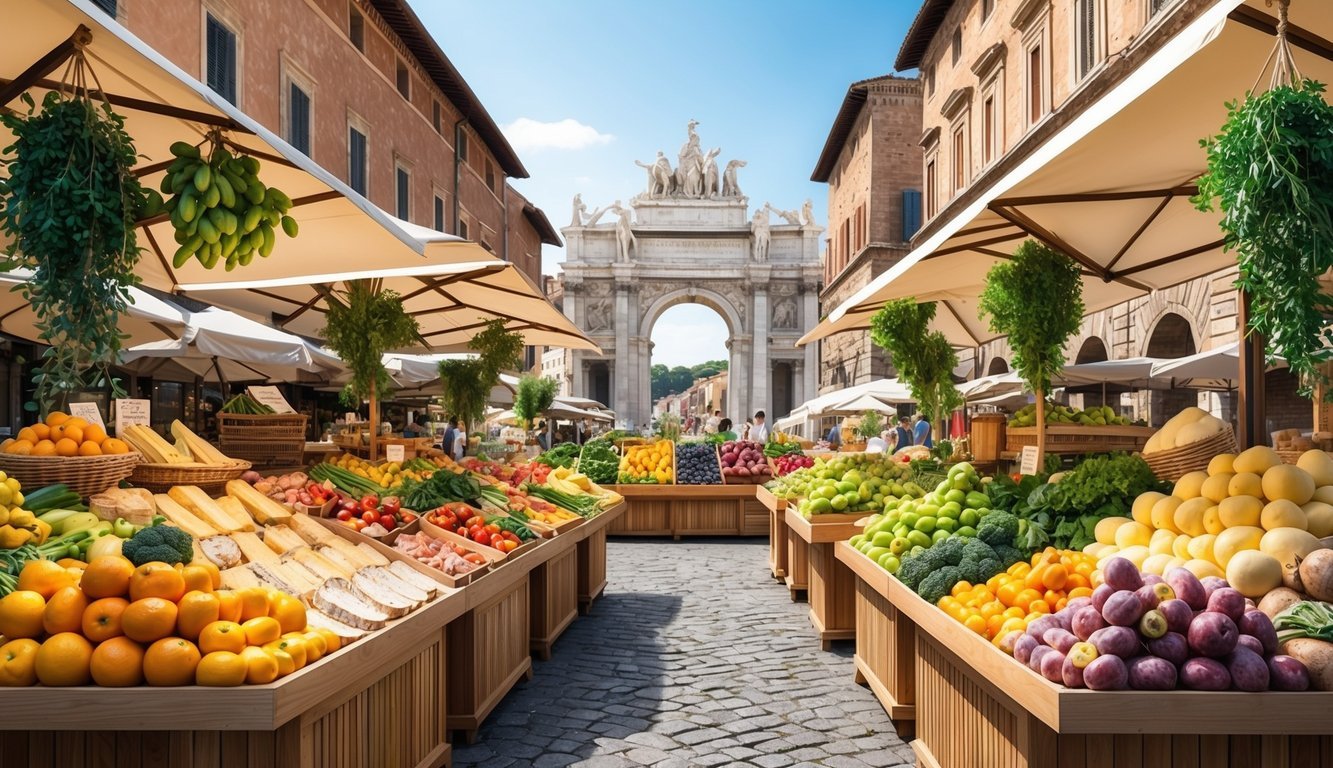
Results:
[1228, 602]
[1187, 588]
[1023, 648]
[1051, 666]
[1100, 594]
[1172, 647]
[1178, 614]
[1286, 673]
[1250, 642]
[1106, 673]
[1256, 624]
[1121, 573]
[1087, 621]
[1116, 641]
[1123, 609]
[1248, 670]
[1212, 634]
[1059, 639]
[1072, 676]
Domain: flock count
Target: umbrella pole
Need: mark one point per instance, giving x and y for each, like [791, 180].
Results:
[1041, 429]
[374, 421]
[1251, 392]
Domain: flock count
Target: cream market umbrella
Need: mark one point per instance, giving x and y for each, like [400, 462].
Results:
[147, 318]
[861, 404]
[1211, 369]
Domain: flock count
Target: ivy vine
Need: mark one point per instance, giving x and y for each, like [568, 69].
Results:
[467, 383]
[923, 358]
[362, 324]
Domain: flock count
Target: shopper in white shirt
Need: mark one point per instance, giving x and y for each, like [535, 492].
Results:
[759, 432]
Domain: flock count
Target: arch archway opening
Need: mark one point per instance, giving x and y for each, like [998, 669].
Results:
[690, 362]
[1172, 336]
[996, 366]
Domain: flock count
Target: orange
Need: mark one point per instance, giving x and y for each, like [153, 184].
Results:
[976, 624]
[294, 645]
[157, 579]
[197, 610]
[286, 664]
[1008, 592]
[64, 611]
[196, 579]
[315, 646]
[18, 662]
[222, 636]
[69, 431]
[260, 667]
[45, 577]
[21, 614]
[1055, 576]
[75, 421]
[1039, 606]
[214, 575]
[107, 576]
[67, 447]
[254, 602]
[64, 659]
[331, 640]
[289, 612]
[261, 630]
[1080, 592]
[229, 605]
[56, 418]
[19, 447]
[94, 434]
[170, 661]
[102, 619]
[90, 449]
[118, 663]
[27, 434]
[220, 668]
[43, 432]
[114, 445]
[149, 619]
[44, 448]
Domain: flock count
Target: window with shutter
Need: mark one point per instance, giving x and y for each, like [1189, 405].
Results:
[356, 28]
[403, 184]
[490, 176]
[1036, 83]
[220, 60]
[435, 118]
[356, 160]
[107, 5]
[403, 79]
[959, 159]
[462, 229]
[1085, 31]
[438, 219]
[988, 130]
[930, 190]
[298, 118]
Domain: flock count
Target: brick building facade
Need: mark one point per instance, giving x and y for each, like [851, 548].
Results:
[872, 165]
[362, 88]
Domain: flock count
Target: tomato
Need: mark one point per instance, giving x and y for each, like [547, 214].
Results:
[492, 528]
[370, 501]
[408, 518]
[370, 517]
[391, 504]
[358, 524]
[351, 506]
[344, 514]
[481, 537]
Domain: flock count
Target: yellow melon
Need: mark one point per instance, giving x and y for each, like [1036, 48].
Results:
[1189, 485]
[1258, 460]
[1201, 547]
[1132, 535]
[1246, 484]
[1164, 512]
[1215, 487]
[1142, 510]
[1212, 520]
[1221, 464]
[1319, 518]
[1240, 510]
[1234, 540]
[1188, 517]
[1323, 493]
[1161, 543]
[1106, 528]
[1287, 544]
[1202, 569]
[1180, 546]
[1319, 464]
[1283, 514]
[1254, 574]
[1288, 482]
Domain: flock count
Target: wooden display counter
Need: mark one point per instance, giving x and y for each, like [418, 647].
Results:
[831, 587]
[777, 531]
[1078, 438]
[976, 706]
[885, 641]
[592, 557]
[690, 510]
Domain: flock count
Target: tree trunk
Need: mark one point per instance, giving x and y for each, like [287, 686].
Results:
[1041, 429]
[374, 423]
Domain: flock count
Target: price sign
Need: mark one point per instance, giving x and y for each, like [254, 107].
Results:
[395, 452]
[89, 412]
[131, 412]
[271, 397]
[1028, 462]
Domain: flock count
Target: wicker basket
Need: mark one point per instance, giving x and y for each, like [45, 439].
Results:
[271, 440]
[160, 478]
[1172, 464]
[85, 475]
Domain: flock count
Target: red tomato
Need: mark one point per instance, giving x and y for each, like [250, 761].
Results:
[344, 514]
[370, 501]
[370, 516]
[492, 528]
[391, 504]
[358, 524]
[476, 520]
[481, 537]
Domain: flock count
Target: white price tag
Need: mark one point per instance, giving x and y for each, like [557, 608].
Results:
[1028, 462]
[395, 452]
[131, 412]
[89, 412]
[271, 397]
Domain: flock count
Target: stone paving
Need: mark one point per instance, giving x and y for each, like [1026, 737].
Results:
[694, 657]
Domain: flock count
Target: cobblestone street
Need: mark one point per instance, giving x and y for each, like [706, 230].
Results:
[694, 657]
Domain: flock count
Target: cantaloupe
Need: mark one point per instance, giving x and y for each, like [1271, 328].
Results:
[1288, 482]
[1319, 518]
[1196, 433]
[1135, 555]
[1201, 547]
[1221, 463]
[1215, 488]
[1163, 513]
[1257, 460]
[1324, 493]
[1188, 517]
[1167, 437]
[1254, 573]
[1319, 464]
[1097, 548]
[1287, 544]
[1245, 484]
[1189, 485]
[1142, 509]
[1133, 535]
[1161, 543]
[1154, 443]
[1106, 528]
[1234, 540]
[1283, 513]
[1212, 520]
[1157, 563]
[1180, 546]
[1240, 510]
[1202, 569]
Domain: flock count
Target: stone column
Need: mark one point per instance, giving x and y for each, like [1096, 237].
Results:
[799, 394]
[809, 319]
[760, 371]
[739, 394]
[623, 362]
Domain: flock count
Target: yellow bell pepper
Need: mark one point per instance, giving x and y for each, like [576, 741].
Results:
[21, 518]
[12, 538]
[43, 530]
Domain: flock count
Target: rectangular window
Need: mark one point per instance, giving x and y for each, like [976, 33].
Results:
[930, 190]
[462, 146]
[1157, 6]
[107, 5]
[356, 28]
[959, 159]
[988, 129]
[403, 79]
[298, 118]
[1036, 85]
[403, 192]
[1085, 37]
[437, 218]
[490, 175]
[957, 44]
[221, 58]
[357, 170]
[930, 81]
[435, 116]
[462, 228]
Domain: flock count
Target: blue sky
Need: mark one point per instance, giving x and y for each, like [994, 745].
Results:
[583, 89]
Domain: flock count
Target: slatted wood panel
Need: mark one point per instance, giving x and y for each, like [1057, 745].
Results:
[754, 517]
[798, 565]
[554, 599]
[643, 517]
[488, 653]
[706, 517]
[777, 543]
[592, 568]
[832, 595]
[957, 720]
[886, 655]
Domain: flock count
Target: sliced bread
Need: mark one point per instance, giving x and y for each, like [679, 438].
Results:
[382, 597]
[391, 584]
[414, 577]
[316, 619]
[343, 602]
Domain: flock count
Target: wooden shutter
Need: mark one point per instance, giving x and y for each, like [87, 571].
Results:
[107, 5]
[221, 59]
[356, 160]
[298, 118]
[404, 191]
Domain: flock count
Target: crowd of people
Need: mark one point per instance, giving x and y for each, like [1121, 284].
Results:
[755, 429]
[907, 433]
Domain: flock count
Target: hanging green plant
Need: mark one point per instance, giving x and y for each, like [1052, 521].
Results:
[69, 206]
[362, 324]
[220, 209]
[1270, 171]
[468, 383]
[534, 397]
[923, 358]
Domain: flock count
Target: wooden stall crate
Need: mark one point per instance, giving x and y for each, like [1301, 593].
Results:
[777, 530]
[885, 641]
[690, 510]
[488, 647]
[831, 586]
[592, 556]
[554, 596]
[1077, 438]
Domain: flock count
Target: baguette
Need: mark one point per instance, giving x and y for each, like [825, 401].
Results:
[311, 530]
[282, 539]
[199, 449]
[319, 620]
[350, 552]
[271, 575]
[263, 509]
[371, 555]
[394, 603]
[339, 560]
[254, 550]
[221, 551]
[239, 577]
[194, 499]
[183, 518]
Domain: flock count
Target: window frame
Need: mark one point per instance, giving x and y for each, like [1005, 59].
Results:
[489, 176]
[1097, 55]
[439, 199]
[402, 78]
[1151, 16]
[358, 40]
[402, 204]
[113, 11]
[1037, 38]
[437, 116]
[293, 75]
[229, 21]
[356, 123]
[462, 227]
[960, 152]
[956, 45]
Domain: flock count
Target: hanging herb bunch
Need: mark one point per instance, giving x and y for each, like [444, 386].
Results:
[220, 209]
[534, 397]
[68, 205]
[1270, 171]
[362, 324]
[923, 358]
[467, 383]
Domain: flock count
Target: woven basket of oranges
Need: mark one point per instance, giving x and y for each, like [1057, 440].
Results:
[67, 449]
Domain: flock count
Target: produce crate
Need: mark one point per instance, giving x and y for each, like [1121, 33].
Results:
[988, 436]
[734, 480]
[160, 478]
[393, 554]
[271, 440]
[1077, 438]
[1174, 463]
[777, 531]
[831, 586]
[675, 466]
[885, 641]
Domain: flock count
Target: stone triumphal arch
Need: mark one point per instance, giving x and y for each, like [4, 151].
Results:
[691, 236]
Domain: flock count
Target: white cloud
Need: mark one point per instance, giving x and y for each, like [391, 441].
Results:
[528, 134]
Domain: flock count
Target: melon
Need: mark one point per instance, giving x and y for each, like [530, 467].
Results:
[1157, 563]
[1283, 513]
[1324, 493]
[1245, 484]
[1135, 555]
[1319, 518]
[1234, 540]
[1288, 482]
[1132, 535]
[1188, 517]
[1163, 513]
[1201, 547]
[1142, 510]
[1180, 546]
[1240, 510]
[1189, 485]
[1258, 460]
[1287, 544]
[1154, 443]
[1215, 488]
[1202, 569]
[1196, 433]
[1319, 464]
[1212, 520]
[1221, 464]
[1097, 548]
[1254, 574]
[1104, 533]
[1161, 543]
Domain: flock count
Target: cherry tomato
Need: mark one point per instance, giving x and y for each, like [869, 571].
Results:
[359, 524]
[476, 520]
[370, 516]
[492, 528]
[481, 537]
[344, 514]
[391, 504]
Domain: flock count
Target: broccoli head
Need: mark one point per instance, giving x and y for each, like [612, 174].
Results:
[914, 569]
[978, 571]
[950, 550]
[976, 549]
[998, 528]
[1009, 554]
[939, 583]
[160, 543]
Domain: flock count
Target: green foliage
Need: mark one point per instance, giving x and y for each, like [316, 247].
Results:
[923, 358]
[871, 425]
[361, 325]
[666, 381]
[534, 397]
[467, 383]
[1270, 170]
[68, 208]
[1036, 299]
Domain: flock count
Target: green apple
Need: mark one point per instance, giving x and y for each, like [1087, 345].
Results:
[858, 538]
[899, 545]
[969, 517]
[875, 553]
[919, 539]
[890, 563]
[939, 536]
[947, 524]
[966, 530]
[883, 539]
[838, 503]
[926, 523]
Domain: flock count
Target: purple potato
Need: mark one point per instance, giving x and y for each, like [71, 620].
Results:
[1087, 621]
[1256, 624]
[1052, 664]
[1250, 605]
[1172, 647]
[1106, 673]
[1286, 673]
[1040, 625]
[1147, 597]
[1121, 573]
[1116, 641]
[1064, 618]
[1059, 639]
[1153, 625]
[1023, 648]
[1078, 604]
[1178, 614]
[1213, 583]
[1072, 676]
[1008, 641]
[1150, 673]
[1150, 579]
[1249, 671]
[1212, 634]
[1100, 594]
[1187, 587]
[1202, 674]
[1250, 642]
[1123, 609]
[1227, 602]
[1034, 660]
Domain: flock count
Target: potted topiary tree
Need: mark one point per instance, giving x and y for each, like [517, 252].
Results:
[923, 358]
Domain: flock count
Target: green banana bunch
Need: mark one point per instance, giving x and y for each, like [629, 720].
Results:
[246, 405]
[220, 209]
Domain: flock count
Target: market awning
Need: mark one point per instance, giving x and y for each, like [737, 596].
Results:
[1112, 187]
[147, 319]
[1211, 369]
[861, 404]
[883, 390]
[419, 375]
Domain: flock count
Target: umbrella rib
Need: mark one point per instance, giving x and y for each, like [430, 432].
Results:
[1195, 251]
[301, 310]
[1134, 238]
[1023, 220]
[166, 265]
[949, 306]
[1094, 197]
[165, 330]
[502, 289]
[1019, 235]
[983, 228]
[45, 65]
[1298, 36]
